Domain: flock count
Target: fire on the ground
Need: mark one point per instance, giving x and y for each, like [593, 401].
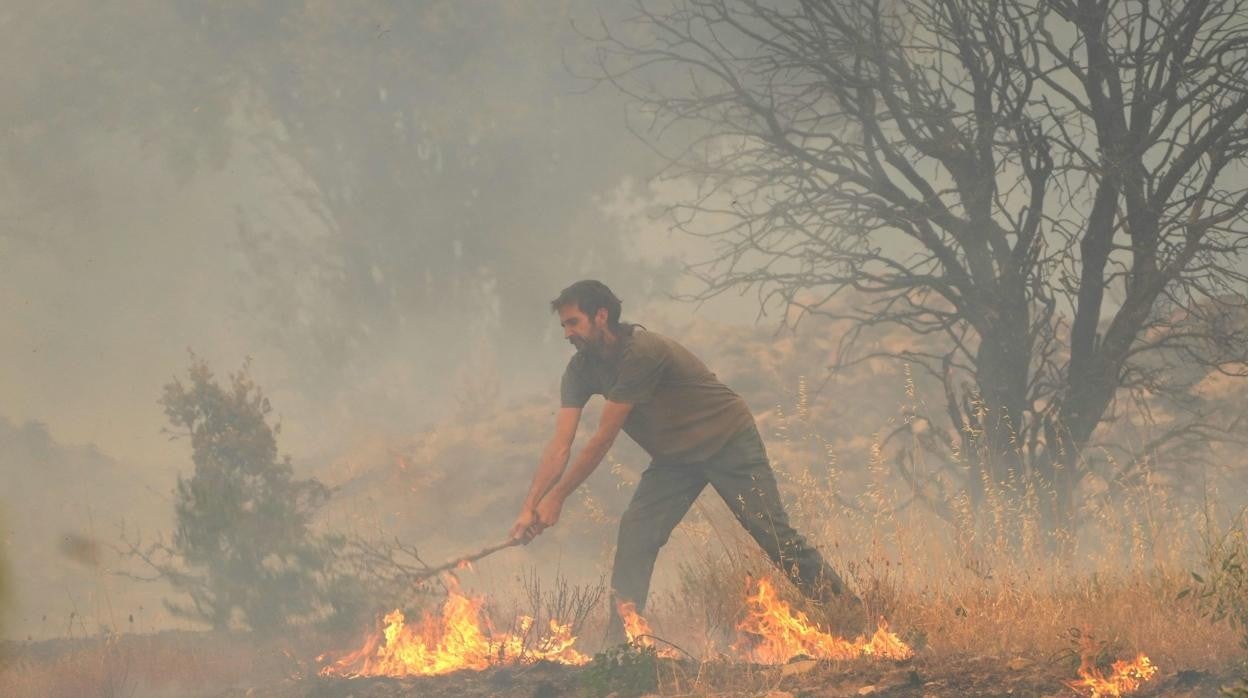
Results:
[461, 637]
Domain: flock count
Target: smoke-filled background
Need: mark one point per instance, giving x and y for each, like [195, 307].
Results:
[331, 231]
[373, 201]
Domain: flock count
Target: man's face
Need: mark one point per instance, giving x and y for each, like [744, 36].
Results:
[585, 333]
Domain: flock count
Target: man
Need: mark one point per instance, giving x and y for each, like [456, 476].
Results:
[696, 430]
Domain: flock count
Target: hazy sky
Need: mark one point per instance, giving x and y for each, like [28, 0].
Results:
[128, 263]
[374, 201]
[414, 184]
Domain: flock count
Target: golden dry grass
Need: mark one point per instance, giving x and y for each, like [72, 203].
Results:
[170, 663]
[982, 585]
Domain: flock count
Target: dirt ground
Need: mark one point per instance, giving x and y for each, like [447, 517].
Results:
[917, 678]
[214, 665]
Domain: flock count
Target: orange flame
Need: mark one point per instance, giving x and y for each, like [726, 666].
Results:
[773, 633]
[638, 630]
[457, 638]
[1125, 677]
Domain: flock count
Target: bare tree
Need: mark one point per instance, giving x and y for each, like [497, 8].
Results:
[1051, 191]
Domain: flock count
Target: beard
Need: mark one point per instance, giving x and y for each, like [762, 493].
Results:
[592, 344]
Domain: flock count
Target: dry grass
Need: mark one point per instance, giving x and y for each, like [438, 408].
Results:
[982, 585]
[171, 663]
[985, 584]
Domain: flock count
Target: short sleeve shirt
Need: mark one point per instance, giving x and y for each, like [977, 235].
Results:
[681, 412]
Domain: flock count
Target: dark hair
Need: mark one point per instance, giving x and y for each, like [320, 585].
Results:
[589, 295]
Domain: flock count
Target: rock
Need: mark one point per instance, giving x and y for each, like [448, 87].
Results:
[1187, 678]
[1018, 664]
[778, 694]
[503, 676]
[867, 690]
[798, 667]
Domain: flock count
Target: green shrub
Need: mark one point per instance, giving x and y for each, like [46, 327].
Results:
[1221, 592]
[626, 670]
[242, 550]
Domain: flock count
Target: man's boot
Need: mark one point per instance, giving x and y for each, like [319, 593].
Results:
[841, 611]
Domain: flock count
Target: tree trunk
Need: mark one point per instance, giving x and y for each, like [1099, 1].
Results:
[1003, 364]
[1060, 467]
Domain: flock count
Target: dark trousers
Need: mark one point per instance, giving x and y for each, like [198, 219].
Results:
[742, 476]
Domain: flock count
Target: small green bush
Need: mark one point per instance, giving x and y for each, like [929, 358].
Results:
[626, 670]
[243, 550]
[1221, 592]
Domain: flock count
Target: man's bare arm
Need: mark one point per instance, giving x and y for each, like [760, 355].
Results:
[613, 416]
[549, 469]
[555, 457]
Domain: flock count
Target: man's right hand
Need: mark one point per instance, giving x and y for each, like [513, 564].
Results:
[522, 530]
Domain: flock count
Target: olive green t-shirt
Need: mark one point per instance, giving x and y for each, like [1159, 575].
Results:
[681, 412]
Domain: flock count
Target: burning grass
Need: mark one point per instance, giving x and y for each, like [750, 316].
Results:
[459, 637]
[1124, 678]
[773, 633]
[638, 631]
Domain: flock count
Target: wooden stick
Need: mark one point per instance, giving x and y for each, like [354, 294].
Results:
[471, 557]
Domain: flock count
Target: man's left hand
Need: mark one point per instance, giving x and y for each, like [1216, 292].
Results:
[548, 512]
